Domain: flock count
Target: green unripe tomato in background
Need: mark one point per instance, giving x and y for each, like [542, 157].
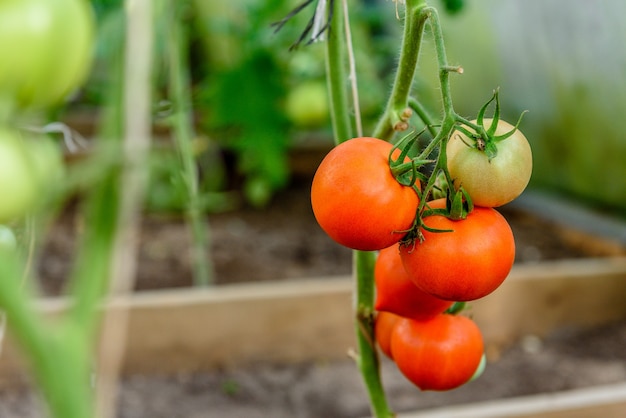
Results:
[307, 104]
[18, 181]
[8, 241]
[46, 48]
[46, 158]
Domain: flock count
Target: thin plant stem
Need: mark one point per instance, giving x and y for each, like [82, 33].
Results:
[183, 127]
[136, 146]
[450, 117]
[394, 116]
[367, 356]
[336, 76]
[29, 229]
[57, 363]
[422, 113]
[353, 77]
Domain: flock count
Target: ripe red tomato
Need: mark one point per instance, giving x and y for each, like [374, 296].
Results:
[396, 293]
[383, 328]
[439, 353]
[356, 199]
[494, 182]
[45, 47]
[466, 264]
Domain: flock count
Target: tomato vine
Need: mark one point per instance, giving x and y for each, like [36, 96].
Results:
[430, 177]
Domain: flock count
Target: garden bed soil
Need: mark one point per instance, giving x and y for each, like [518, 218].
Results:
[567, 359]
[280, 242]
[283, 242]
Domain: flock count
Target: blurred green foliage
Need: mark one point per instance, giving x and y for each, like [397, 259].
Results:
[242, 76]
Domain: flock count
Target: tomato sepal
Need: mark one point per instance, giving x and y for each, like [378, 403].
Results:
[407, 173]
[456, 308]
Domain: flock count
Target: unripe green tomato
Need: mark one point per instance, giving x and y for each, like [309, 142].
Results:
[8, 242]
[47, 162]
[18, 182]
[495, 182]
[46, 48]
[307, 104]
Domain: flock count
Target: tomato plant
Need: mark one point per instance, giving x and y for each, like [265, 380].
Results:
[465, 263]
[46, 49]
[457, 249]
[357, 200]
[440, 353]
[18, 181]
[396, 292]
[490, 181]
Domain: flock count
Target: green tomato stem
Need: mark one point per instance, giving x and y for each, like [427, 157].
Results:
[62, 376]
[337, 75]
[422, 113]
[367, 356]
[394, 115]
[183, 127]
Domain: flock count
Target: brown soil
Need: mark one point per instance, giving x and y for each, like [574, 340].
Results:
[283, 242]
[280, 242]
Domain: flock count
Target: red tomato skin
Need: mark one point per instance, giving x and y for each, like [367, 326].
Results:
[357, 201]
[441, 353]
[466, 264]
[384, 325]
[396, 292]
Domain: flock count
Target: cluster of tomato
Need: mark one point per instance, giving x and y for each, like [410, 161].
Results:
[46, 49]
[359, 203]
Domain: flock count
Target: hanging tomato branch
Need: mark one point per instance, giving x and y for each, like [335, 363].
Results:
[424, 231]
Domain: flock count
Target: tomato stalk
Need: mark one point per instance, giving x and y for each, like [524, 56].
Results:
[363, 261]
[423, 114]
[336, 76]
[182, 123]
[395, 118]
[136, 125]
[450, 120]
[58, 363]
[397, 111]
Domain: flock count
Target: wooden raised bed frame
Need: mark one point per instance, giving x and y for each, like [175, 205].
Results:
[204, 329]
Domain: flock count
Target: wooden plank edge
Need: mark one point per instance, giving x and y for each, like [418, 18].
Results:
[311, 319]
[607, 401]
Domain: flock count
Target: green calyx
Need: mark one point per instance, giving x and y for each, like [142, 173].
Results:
[407, 173]
[459, 205]
[456, 308]
[484, 138]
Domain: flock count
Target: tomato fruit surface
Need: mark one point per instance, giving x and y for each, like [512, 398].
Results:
[306, 104]
[18, 182]
[357, 201]
[494, 182]
[48, 165]
[439, 353]
[8, 241]
[46, 48]
[468, 262]
[383, 328]
[396, 292]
